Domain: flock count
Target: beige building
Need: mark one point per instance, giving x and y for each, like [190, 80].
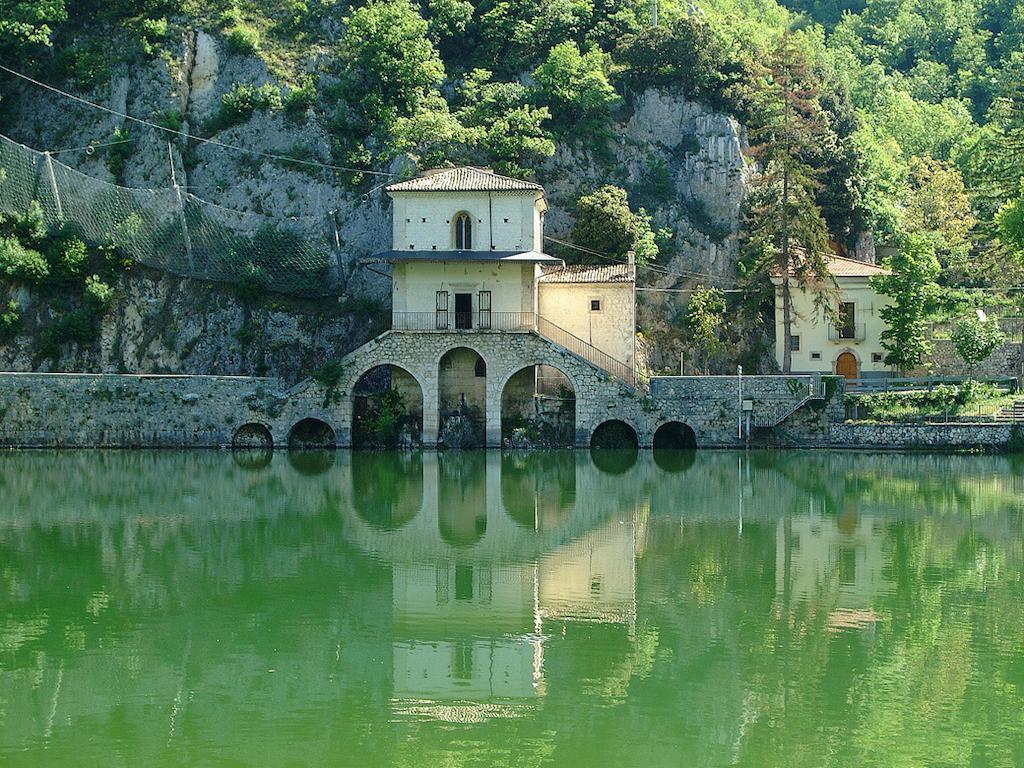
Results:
[850, 347]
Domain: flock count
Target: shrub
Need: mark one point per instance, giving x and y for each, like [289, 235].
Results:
[575, 86]
[98, 294]
[238, 104]
[300, 98]
[21, 263]
[10, 319]
[243, 39]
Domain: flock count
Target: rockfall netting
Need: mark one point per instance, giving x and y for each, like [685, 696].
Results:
[172, 230]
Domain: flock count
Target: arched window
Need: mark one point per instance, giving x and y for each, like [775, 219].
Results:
[463, 232]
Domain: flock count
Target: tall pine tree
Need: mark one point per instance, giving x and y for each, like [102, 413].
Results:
[785, 234]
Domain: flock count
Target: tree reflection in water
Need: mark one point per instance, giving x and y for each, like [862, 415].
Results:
[864, 610]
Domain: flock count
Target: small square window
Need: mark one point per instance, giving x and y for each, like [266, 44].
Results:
[423, 221]
[433, 247]
[408, 221]
[876, 357]
[412, 247]
[815, 355]
[506, 221]
[794, 343]
[595, 305]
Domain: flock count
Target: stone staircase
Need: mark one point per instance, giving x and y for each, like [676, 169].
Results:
[1012, 413]
[776, 413]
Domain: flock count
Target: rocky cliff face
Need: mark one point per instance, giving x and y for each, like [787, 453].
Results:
[681, 161]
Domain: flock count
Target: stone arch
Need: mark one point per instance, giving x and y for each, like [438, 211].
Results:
[462, 498]
[253, 435]
[675, 436]
[387, 408]
[614, 434]
[539, 398]
[462, 397]
[387, 493]
[538, 490]
[311, 434]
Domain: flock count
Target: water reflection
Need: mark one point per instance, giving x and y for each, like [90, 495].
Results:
[400, 609]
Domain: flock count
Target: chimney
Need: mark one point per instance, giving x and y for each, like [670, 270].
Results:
[631, 262]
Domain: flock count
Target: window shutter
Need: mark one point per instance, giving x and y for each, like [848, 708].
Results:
[484, 305]
[441, 310]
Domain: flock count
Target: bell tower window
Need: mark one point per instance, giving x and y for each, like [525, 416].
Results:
[463, 232]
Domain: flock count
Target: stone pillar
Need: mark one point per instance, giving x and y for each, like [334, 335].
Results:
[493, 433]
[431, 405]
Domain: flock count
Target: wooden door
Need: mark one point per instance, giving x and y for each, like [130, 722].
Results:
[846, 365]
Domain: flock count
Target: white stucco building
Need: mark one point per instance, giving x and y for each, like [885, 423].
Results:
[468, 255]
[851, 347]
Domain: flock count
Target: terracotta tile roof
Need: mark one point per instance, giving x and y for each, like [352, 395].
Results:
[842, 267]
[464, 179]
[584, 273]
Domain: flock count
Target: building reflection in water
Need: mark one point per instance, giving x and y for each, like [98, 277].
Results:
[498, 547]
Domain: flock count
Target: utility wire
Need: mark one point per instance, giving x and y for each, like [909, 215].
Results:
[88, 147]
[682, 274]
[193, 137]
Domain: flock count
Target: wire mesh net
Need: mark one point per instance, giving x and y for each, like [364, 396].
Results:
[171, 230]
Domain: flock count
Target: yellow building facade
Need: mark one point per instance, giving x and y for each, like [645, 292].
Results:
[850, 346]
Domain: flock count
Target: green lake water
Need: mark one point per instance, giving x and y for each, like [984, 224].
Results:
[566, 609]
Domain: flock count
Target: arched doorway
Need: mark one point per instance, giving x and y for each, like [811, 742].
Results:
[847, 366]
[387, 409]
[462, 399]
[614, 435]
[311, 435]
[538, 409]
[614, 447]
[675, 446]
[253, 436]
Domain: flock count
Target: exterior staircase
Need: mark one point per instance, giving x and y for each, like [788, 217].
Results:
[1011, 414]
[776, 413]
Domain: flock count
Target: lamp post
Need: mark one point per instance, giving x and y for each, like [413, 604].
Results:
[739, 416]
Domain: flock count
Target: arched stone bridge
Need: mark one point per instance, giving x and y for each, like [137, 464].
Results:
[84, 410]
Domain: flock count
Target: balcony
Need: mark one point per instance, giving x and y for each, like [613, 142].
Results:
[849, 332]
[447, 322]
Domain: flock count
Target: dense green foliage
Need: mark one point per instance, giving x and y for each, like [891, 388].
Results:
[975, 339]
[911, 286]
[917, 108]
[943, 400]
[606, 223]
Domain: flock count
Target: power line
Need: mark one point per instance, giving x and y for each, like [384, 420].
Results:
[193, 137]
[682, 274]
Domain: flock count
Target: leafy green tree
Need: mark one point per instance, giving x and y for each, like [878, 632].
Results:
[1010, 221]
[391, 66]
[25, 24]
[508, 128]
[605, 223]
[975, 340]
[785, 235]
[688, 55]
[911, 286]
[575, 86]
[706, 315]
[938, 208]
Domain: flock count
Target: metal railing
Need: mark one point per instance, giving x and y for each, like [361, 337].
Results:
[854, 332]
[907, 384]
[447, 321]
[773, 414]
[518, 322]
[586, 350]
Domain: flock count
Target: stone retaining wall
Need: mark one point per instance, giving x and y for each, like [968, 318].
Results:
[109, 410]
[899, 437]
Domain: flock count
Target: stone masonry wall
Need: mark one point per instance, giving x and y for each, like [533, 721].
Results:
[85, 410]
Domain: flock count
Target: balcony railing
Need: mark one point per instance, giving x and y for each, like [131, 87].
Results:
[447, 321]
[515, 322]
[849, 332]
